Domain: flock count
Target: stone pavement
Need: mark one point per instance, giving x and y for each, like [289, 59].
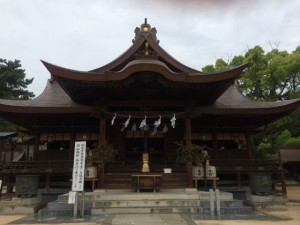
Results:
[124, 219]
[151, 219]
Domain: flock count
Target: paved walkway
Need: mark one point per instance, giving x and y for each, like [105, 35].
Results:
[150, 219]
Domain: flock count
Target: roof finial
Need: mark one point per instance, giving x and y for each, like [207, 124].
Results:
[145, 21]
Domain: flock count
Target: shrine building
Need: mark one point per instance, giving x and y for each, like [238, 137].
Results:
[143, 101]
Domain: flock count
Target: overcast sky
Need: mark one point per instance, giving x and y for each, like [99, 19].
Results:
[86, 34]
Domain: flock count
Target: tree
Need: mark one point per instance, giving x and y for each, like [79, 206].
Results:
[219, 65]
[13, 85]
[271, 76]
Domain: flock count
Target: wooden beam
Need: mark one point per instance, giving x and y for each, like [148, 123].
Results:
[152, 103]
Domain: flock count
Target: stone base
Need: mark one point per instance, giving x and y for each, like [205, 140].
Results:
[270, 202]
[27, 206]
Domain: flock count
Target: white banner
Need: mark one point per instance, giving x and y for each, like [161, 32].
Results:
[78, 166]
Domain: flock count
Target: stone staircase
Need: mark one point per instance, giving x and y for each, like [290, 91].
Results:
[167, 201]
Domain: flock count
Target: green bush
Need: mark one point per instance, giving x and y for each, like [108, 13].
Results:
[292, 142]
[283, 137]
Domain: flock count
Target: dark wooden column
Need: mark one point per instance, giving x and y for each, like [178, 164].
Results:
[72, 143]
[102, 137]
[188, 140]
[249, 146]
[102, 128]
[35, 154]
[215, 144]
[188, 130]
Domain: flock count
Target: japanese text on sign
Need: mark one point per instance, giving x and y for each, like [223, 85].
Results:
[78, 166]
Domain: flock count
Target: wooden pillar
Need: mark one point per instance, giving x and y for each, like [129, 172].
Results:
[102, 137]
[188, 129]
[12, 149]
[249, 146]
[35, 154]
[215, 144]
[188, 140]
[72, 143]
[102, 128]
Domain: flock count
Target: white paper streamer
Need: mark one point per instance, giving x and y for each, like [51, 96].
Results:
[173, 120]
[113, 119]
[127, 121]
[143, 123]
[157, 122]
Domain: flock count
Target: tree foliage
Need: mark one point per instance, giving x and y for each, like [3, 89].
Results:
[13, 85]
[270, 76]
[13, 81]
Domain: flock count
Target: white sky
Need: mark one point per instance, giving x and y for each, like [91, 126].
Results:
[86, 34]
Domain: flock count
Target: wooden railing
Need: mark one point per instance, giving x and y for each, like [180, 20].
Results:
[235, 171]
[244, 163]
[36, 166]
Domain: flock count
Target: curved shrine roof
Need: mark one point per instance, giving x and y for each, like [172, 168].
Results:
[52, 100]
[233, 102]
[144, 57]
[68, 89]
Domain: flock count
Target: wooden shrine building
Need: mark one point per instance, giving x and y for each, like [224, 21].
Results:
[145, 82]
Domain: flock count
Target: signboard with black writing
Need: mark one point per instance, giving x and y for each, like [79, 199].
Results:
[78, 166]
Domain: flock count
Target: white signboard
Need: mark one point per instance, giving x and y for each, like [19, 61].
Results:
[78, 166]
[72, 197]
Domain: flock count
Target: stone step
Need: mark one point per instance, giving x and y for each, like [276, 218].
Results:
[64, 205]
[231, 210]
[183, 201]
[227, 203]
[146, 210]
[167, 210]
[127, 194]
[147, 203]
[46, 213]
